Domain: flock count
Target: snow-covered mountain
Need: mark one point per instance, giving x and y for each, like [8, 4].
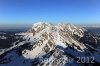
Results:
[53, 45]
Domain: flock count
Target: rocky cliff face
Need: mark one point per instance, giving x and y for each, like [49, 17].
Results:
[53, 45]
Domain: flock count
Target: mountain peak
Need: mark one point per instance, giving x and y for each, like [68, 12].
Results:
[40, 24]
[55, 42]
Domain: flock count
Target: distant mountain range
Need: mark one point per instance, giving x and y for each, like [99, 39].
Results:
[90, 25]
[14, 28]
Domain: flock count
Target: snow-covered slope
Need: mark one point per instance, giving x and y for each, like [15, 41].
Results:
[53, 45]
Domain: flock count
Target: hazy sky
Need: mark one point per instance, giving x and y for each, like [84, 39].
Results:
[30, 11]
